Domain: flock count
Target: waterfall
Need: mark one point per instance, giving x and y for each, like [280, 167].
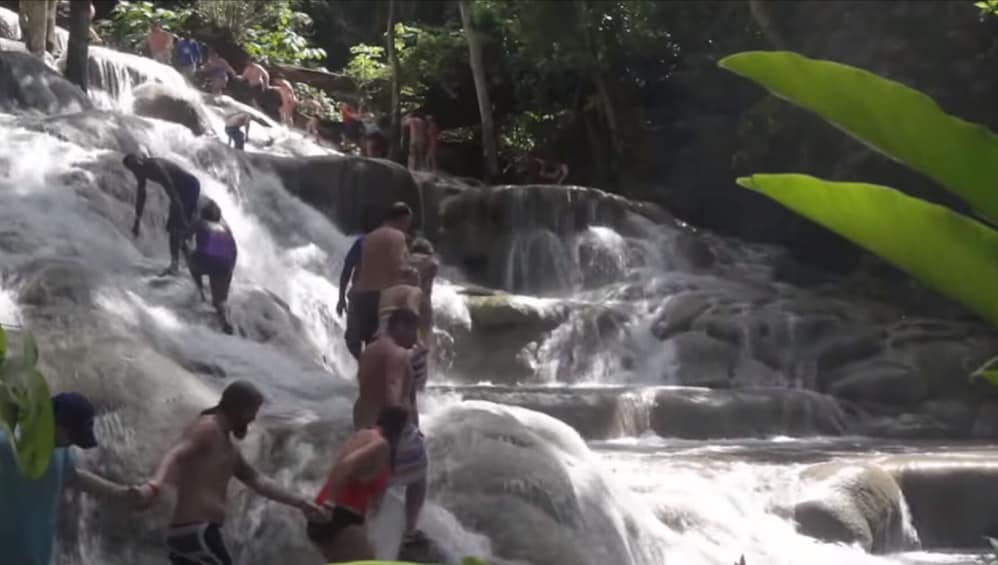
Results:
[658, 415]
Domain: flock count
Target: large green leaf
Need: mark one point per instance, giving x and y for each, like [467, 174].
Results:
[892, 118]
[955, 254]
[29, 408]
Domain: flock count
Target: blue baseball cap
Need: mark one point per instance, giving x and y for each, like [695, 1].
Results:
[75, 414]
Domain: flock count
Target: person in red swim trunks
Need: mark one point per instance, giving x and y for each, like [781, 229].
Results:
[355, 487]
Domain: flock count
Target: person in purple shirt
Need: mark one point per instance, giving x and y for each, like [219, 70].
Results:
[214, 255]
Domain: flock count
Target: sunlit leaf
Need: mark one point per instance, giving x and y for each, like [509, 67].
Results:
[33, 434]
[948, 251]
[892, 118]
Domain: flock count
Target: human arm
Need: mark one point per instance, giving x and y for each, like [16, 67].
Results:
[140, 203]
[268, 488]
[350, 263]
[99, 486]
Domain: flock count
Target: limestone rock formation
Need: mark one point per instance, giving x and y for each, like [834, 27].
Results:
[853, 503]
[157, 101]
[28, 85]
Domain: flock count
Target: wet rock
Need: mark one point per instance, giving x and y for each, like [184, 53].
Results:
[694, 358]
[593, 413]
[53, 284]
[28, 85]
[155, 100]
[880, 381]
[753, 412]
[479, 227]
[679, 311]
[694, 250]
[506, 311]
[510, 473]
[353, 192]
[961, 485]
[844, 349]
[853, 504]
[505, 334]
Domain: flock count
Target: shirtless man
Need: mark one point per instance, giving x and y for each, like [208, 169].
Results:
[386, 378]
[255, 74]
[383, 257]
[417, 141]
[182, 188]
[234, 126]
[201, 465]
[288, 100]
[160, 44]
[432, 143]
[427, 266]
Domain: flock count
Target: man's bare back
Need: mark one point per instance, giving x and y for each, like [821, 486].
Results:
[383, 257]
[382, 375]
[203, 481]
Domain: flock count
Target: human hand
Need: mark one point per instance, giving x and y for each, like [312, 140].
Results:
[341, 307]
[314, 512]
[142, 496]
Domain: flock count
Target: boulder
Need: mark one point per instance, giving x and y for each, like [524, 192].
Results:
[880, 381]
[693, 413]
[28, 85]
[853, 503]
[679, 310]
[510, 473]
[354, 192]
[695, 358]
[951, 498]
[505, 333]
[155, 100]
[480, 226]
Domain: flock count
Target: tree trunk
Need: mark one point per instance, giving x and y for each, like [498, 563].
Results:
[606, 108]
[482, 90]
[34, 25]
[79, 42]
[394, 141]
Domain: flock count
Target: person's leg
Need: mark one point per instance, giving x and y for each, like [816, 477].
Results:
[352, 335]
[350, 544]
[197, 273]
[415, 497]
[220, 280]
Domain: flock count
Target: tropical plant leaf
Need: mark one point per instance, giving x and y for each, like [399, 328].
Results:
[952, 253]
[896, 120]
[33, 434]
[29, 357]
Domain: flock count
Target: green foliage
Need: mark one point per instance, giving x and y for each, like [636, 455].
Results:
[896, 120]
[26, 408]
[987, 7]
[428, 56]
[951, 252]
[130, 22]
[948, 251]
[270, 30]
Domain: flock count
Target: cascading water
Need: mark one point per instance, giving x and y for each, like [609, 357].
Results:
[508, 484]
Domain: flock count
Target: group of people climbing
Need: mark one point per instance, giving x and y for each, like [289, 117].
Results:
[191, 216]
[386, 292]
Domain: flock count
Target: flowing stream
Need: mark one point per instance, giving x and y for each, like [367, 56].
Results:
[595, 484]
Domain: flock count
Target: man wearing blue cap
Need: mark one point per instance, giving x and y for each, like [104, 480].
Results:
[28, 508]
